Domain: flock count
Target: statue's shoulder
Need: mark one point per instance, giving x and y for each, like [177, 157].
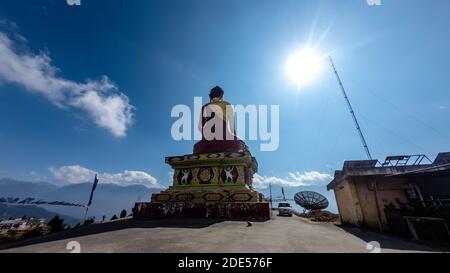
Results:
[219, 103]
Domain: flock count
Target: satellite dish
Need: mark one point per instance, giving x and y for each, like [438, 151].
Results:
[311, 200]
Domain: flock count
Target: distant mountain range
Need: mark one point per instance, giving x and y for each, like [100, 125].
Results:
[14, 188]
[109, 199]
[17, 211]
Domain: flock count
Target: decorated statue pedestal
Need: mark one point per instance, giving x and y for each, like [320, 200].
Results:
[210, 185]
[216, 180]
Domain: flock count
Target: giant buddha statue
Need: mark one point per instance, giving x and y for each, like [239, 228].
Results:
[216, 180]
[217, 126]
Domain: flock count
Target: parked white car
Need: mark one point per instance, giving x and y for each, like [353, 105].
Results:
[284, 209]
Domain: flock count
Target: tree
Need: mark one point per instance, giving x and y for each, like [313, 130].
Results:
[89, 221]
[12, 233]
[123, 214]
[56, 224]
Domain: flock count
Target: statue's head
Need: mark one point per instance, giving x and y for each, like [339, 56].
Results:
[216, 92]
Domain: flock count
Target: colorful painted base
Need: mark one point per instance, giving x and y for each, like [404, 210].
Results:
[245, 211]
[214, 185]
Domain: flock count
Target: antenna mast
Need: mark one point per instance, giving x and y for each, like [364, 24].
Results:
[363, 140]
[270, 189]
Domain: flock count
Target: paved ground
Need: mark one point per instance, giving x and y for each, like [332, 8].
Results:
[292, 234]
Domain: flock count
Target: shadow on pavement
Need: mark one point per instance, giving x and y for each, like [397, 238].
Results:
[390, 241]
[112, 226]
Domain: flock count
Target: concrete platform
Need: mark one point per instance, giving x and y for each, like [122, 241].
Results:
[280, 234]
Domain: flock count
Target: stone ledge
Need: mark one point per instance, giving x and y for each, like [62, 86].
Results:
[213, 159]
[192, 195]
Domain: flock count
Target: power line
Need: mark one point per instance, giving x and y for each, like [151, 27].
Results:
[407, 113]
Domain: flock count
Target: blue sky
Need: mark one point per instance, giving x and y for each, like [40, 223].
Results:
[393, 60]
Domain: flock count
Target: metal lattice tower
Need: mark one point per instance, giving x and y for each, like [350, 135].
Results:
[363, 140]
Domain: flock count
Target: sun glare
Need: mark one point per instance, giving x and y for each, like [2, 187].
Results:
[303, 66]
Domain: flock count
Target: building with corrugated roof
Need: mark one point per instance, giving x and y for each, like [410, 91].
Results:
[408, 195]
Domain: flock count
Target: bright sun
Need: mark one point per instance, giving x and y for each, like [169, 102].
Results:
[303, 66]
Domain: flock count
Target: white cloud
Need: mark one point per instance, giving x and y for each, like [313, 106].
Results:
[170, 174]
[294, 179]
[75, 174]
[100, 99]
